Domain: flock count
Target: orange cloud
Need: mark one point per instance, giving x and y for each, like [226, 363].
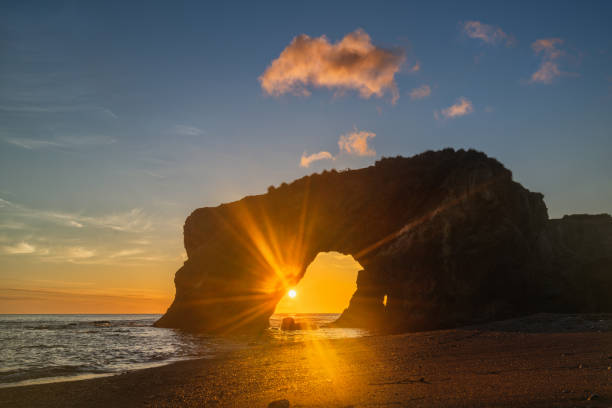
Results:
[462, 107]
[548, 71]
[487, 33]
[356, 142]
[353, 143]
[548, 48]
[420, 92]
[306, 160]
[353, 63]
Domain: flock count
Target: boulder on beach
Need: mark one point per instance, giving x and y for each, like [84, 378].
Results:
[283, 403]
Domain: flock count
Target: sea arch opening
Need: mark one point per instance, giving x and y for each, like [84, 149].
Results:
[327, 286]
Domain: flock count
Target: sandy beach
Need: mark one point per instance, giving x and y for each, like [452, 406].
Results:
[541, 361]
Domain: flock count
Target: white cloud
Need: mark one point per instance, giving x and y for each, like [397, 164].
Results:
[29, 108]
[30, 144]
[462, 107]
[61, 142]
[185, 130]
[305, 161]
[420, 92]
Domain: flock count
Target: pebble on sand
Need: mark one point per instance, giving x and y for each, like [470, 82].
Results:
[283, 403]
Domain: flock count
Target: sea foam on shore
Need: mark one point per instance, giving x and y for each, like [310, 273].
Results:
[38, 349]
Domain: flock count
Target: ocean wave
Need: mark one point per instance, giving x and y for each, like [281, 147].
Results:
[49, 348]
[18, 375]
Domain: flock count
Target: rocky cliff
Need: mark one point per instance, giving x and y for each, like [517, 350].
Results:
[448, 237]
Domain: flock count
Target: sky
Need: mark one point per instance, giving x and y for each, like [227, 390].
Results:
[117, 120]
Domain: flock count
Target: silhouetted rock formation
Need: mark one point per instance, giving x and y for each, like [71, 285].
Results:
[576, 272]
[447, 236]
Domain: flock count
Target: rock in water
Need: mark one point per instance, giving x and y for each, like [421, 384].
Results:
[447, 236]
[288, 323]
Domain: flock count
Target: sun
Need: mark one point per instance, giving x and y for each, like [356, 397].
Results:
[292, 293]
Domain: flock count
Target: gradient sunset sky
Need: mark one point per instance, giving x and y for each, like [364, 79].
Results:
[117, 120]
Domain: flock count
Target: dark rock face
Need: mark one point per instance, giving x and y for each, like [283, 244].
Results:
[576, 267]
[447, 236]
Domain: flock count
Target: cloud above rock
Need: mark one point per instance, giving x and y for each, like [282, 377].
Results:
[548, 49]
[420, 92]
[306, 160]
[462, 107]
[486, 33]
[355, 143]
[353, 63]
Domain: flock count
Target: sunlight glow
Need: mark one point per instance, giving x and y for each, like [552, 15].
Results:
[327, 286]
[292, 293]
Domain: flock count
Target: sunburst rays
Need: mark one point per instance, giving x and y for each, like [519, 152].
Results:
[278, 253]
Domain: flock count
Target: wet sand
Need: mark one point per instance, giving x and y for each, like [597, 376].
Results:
[542, 361]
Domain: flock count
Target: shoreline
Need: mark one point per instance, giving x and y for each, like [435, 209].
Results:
[490, 365]
[93, 376]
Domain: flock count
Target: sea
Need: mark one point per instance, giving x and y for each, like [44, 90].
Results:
[36, 349]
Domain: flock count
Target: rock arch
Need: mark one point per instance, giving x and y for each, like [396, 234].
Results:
[448, 237]
[326, 287]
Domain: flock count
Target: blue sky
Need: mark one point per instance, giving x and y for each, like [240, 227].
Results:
[116, 121]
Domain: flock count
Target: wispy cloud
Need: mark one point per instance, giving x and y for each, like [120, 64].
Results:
[31, 143]
[306, 160]
[154, 174]
[86, 255]
[421, 92]
[486, 33]
[353, 63]
[19, 248]
[356, 143]
[185, 130]
[548, 49]
[30, 108]
[134, 220]
[61, 142]
[123, 238]
[462, 107]
[79, 252]
[127, 252]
